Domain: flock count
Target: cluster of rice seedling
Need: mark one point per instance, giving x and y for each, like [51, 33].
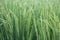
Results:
[29, 20]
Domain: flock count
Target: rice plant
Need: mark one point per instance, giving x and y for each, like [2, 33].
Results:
[29, 19]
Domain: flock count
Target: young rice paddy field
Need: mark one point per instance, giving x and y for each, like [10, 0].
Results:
[29, 19]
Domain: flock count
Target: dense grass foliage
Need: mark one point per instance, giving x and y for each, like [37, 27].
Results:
[29, 20]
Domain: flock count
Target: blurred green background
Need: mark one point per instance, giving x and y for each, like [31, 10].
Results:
[29, 19]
